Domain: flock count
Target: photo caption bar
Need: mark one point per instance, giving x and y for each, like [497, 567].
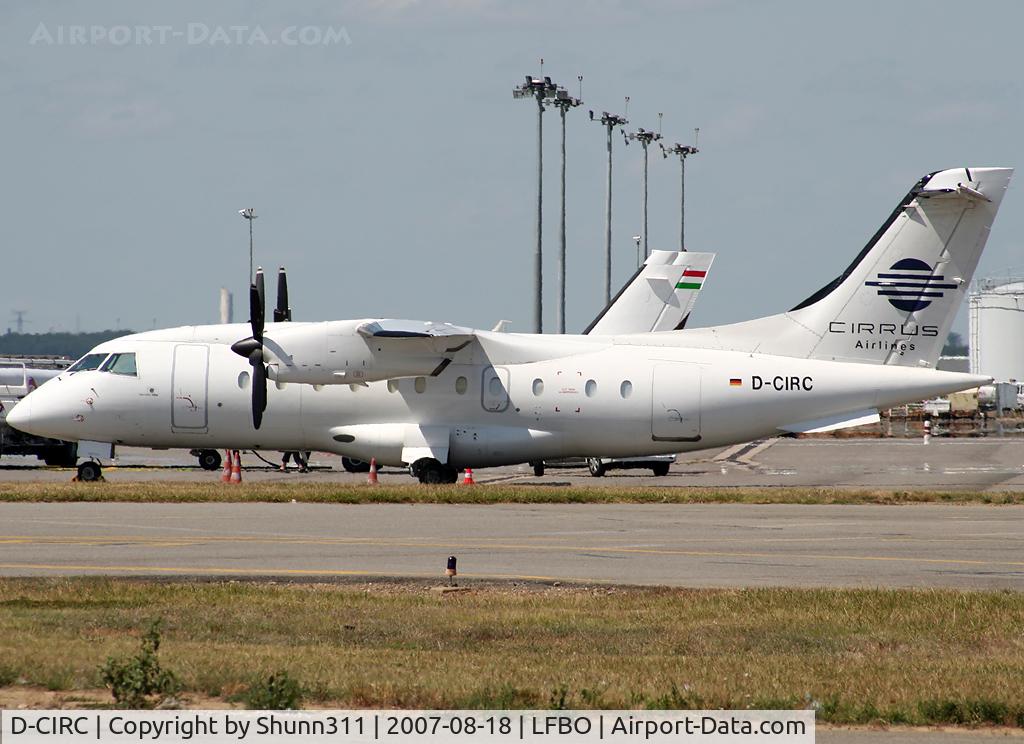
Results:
[420, 726]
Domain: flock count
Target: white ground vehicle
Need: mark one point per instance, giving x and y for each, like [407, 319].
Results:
[659, 464]
[19, 376]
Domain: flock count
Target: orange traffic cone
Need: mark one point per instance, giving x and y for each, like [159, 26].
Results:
[236, 467]
[225, 476]
[467, 479]
[371, 479]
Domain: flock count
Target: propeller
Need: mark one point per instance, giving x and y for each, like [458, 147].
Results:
[282, 312]
[252, 349]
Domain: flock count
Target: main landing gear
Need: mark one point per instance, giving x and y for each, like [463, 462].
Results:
[430, 471]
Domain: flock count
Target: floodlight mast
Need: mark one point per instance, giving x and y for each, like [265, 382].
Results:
[250, 214]
[563, 102]
[683, 151]
[645, 138]
[538, 88]
[609, 122]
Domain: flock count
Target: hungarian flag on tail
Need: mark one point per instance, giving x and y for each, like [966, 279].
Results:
[691, 279]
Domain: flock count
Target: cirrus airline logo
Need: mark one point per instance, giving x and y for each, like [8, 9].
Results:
[910, 285]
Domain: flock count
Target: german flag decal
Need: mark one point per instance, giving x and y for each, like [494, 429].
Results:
[736, 381]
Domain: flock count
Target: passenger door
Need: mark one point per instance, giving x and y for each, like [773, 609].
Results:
[188, 387]
[675, 403]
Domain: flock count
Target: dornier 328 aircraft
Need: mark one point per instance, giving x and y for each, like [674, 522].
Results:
[439, 397]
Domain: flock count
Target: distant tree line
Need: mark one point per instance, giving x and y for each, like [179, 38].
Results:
[73, 345]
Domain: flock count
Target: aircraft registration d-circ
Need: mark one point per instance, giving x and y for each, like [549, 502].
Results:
[438, 397]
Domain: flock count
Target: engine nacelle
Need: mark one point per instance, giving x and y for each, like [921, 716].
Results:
[337, 353]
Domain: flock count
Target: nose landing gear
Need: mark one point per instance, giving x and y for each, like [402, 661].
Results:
[89, 471]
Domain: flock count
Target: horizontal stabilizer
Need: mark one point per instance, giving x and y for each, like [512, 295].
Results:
[834, 422]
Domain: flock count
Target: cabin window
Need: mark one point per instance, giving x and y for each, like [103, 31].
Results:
[89, 361]
[392, 386]
[590, 388]
[121, 364]
[538, 386]
[421, 384]
[461, 385]
[243, 380]
[280, 385]
[626, 389]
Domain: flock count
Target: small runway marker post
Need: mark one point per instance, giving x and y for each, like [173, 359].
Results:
[927, 431]
[450, 571]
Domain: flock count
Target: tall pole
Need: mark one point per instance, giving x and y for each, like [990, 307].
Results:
[561, 245]
[683, 151]
[250, 250]
[539, 89]
[645, 138]
[609, 121]
[538, 255]
[682, 204]
[564, 102]
[646, 250]
[250, 214]
[608, 224]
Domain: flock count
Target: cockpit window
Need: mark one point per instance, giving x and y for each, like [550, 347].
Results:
[89, 361]
[121, 364]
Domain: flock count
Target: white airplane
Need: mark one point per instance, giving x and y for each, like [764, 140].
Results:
[438, 397]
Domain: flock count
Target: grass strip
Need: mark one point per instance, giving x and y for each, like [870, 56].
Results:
[857, 656]
[341, 493]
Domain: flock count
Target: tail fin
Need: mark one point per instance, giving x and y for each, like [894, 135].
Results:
[896, 302]
[659, 297]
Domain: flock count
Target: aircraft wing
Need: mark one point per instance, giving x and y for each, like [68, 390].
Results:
[659, 297]
[449, 335]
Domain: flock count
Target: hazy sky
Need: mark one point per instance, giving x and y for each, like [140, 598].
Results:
[394, 173]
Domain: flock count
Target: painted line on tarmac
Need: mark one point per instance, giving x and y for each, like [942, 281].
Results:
[214, 570]
[825, 557]
[188, 541]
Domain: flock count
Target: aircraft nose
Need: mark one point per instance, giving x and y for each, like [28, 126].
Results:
[20, 416]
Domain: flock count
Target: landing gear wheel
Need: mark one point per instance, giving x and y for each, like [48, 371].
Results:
[89, 471]
[352, 465]
[430, 471]
[538, 468]
[595, 467]
[209, 459]
[660, 469]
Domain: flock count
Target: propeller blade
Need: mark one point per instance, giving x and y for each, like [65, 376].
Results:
[259, 393]
[282, 312]
[256, 310]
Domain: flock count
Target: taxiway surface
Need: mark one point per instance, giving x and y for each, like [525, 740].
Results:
[976, 547]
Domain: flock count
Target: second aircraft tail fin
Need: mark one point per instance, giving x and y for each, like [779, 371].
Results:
[659, 297]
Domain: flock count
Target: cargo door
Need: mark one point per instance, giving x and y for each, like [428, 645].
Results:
[188, 385]
[675, 403]
[494, 389]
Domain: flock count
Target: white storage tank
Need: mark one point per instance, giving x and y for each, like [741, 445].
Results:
[996, 315]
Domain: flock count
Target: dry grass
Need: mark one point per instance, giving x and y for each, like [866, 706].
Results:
[858, 655]
[341, 493]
